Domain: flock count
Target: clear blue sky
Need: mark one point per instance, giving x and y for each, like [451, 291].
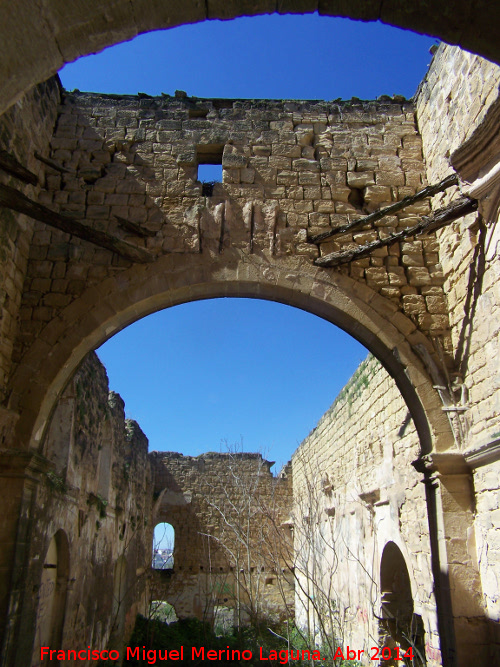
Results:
[235, 369]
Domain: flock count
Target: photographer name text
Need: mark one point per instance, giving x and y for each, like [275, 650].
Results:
[151, 656]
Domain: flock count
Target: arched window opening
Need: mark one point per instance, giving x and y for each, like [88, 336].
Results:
[399, 626]
[163, 547]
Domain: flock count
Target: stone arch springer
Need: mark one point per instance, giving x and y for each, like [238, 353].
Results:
[62, 32]
[103, 310]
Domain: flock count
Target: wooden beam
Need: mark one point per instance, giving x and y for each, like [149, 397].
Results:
[9, 164]
[134, 228]
[429, 191]
[11, 198]
[52, 164]
[440, 218]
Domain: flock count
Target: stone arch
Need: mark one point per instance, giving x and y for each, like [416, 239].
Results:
[399, 626]
[36, 46]
[52, 594]
[141, 290]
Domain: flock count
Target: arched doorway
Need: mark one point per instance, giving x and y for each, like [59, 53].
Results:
[48, 390]
[52, 594]
[172, 280]
[401, 631]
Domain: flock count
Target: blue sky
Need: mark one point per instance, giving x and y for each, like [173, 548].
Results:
[237, 370]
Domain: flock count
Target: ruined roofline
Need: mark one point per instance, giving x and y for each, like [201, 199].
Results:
[211, 455]
[182, 101]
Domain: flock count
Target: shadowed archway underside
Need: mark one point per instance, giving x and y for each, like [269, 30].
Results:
[38, 41]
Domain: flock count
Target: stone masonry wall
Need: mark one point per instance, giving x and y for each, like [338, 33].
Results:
[196, 495]
[487, 488]
[454, 99]
[358, 462]
[290, 169]
[96, 493]
[27, 127]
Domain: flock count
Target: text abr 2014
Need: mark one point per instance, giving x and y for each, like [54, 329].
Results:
[151, 656]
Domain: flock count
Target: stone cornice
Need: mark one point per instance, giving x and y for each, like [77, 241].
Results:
[483, 453]
[22, 463]
[458, 462]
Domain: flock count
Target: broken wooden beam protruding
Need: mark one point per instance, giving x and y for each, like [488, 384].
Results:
[9, 164]
[429, 223]
[52, 164]
[134, 228]
[429, 191]
[11, 198]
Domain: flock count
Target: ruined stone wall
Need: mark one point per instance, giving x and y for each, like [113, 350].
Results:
[457, 95]
[487, 489]
[290, 169]
[208, 500]
[354, 473]
[96, 498]
[27, 127]
[452, 102]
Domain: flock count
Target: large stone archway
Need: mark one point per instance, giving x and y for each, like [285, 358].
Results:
[118, 302]
[38, 41]
[291, 171]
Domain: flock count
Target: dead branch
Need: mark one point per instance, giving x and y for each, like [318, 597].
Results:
[429, 223]
[429, 191]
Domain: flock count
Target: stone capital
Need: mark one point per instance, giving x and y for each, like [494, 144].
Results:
[451, 462]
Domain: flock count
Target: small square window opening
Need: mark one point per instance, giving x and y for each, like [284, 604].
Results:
[209, 158]
[210, 173]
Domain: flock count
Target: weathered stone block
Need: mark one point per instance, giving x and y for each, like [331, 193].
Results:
[360, 179]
